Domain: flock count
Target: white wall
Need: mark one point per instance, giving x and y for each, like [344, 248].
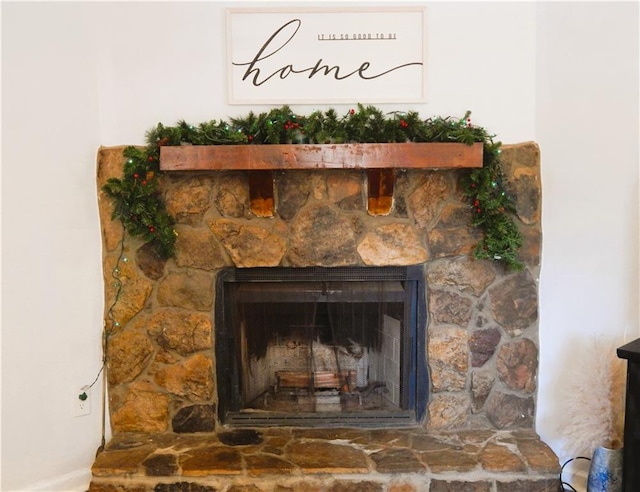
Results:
[79, 75]
[51, 273]
[588, 131]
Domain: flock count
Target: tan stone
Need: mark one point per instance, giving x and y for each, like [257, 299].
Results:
[232, 198]
[132, 289]
[192, 289]
[143, 409]
[430, 443]
[460, 486]
[129, 354]
[427, 199]
[211, 460]
[397, 461]
[188, 200]
[96, 486]
[345, 187]
[517, 365]
[525, 154]
[264, 464]
[248, 245]
[481, 384]
[355, 486]
[183, 331]
[532, 485]
[392, 244]
[324, 457]
[192, 378]
[448, 358]
[498, 458]
[198, 248]
[450, 460]
[463, 273]
[120, 462]
[449, 308]
[322, 237]
[401, 487]
[448, 410]
[539, 456]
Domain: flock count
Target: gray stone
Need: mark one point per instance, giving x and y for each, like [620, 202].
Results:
[425, 201]
[293, 191]
[322, 237]
[183, 487]
[148, 260]
[463, 273]
[459, 486]
[449, 307]
[509, 411]
[194, 418]
[453, 242]
[482, 344]
[232, 197]
[160, 465]
[514, 302]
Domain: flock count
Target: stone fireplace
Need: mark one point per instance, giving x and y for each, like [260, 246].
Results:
[321, 346]
[476, 345]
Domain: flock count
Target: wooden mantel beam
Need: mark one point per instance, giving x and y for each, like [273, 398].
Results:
[325, 156]
[379, 159]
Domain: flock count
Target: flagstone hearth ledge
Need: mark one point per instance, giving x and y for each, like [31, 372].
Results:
[328, 460]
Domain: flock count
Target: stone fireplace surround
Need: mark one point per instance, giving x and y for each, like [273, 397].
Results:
[482, 333]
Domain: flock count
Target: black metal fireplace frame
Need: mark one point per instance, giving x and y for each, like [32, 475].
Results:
[414, 400]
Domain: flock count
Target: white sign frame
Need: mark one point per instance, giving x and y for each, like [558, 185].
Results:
[326, 55]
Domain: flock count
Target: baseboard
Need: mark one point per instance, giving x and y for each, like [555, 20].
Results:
[76, 481]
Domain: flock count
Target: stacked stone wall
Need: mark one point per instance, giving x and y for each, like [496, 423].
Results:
[482, 333]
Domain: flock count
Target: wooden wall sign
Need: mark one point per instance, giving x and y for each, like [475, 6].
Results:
[326, 55]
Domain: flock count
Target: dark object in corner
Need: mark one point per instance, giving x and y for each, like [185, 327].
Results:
[631, 453]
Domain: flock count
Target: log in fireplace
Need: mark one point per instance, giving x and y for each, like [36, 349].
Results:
[321, 346]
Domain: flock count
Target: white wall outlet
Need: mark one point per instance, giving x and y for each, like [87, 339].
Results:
[82, 402]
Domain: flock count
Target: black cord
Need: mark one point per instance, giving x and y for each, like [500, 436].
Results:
[564, 484]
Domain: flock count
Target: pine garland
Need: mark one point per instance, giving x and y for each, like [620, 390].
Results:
[138, 202]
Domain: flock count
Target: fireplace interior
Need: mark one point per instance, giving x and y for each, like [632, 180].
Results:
[321, 346]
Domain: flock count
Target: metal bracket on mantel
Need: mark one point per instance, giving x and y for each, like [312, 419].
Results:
[379, 159]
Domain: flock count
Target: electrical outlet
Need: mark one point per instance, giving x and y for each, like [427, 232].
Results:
[82, 402]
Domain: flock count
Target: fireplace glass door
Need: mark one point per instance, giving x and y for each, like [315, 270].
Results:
[317, 346]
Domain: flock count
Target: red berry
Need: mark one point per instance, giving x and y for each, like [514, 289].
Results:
[151, 158]
[136, 176]
[152, 229]
[144, 182]
[352, 111]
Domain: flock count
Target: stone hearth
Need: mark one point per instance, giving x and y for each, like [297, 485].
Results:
[331, 460]
[482, 333]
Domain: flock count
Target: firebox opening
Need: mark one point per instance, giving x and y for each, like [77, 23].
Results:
[321, 346]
